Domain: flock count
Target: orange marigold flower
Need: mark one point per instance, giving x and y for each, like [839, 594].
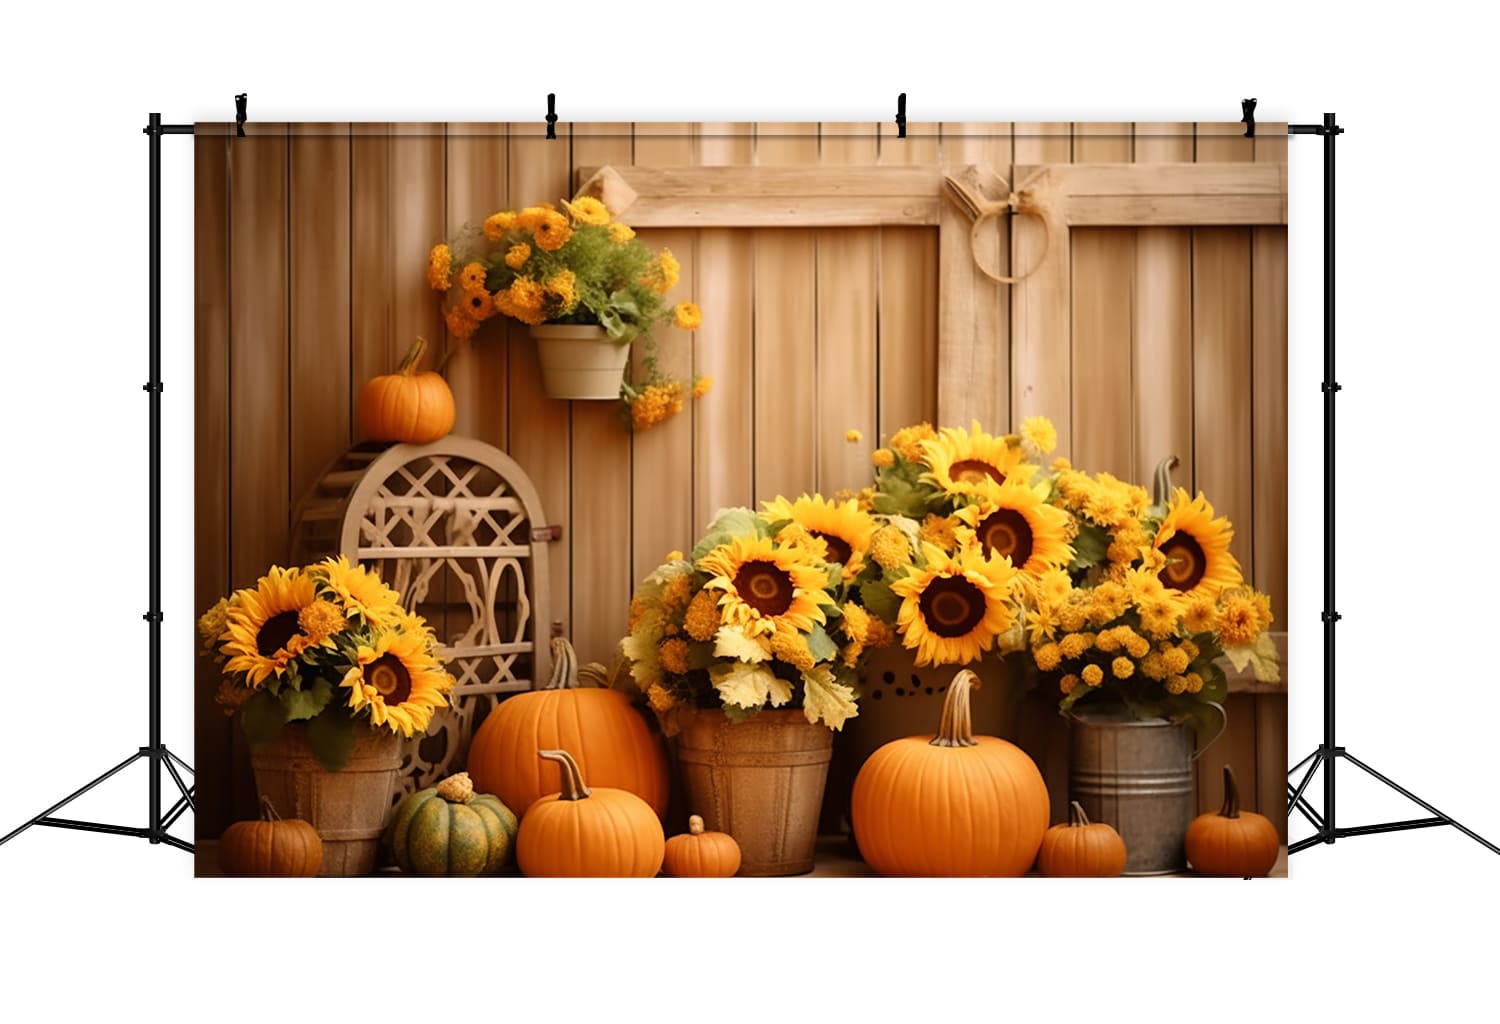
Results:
[702, 385]
[673, 656]
[702, 620]
[476, 302]
[497, 224]
[687, 316]
[517, 255]
[620, 233]
[460, 324]
[552, 231]
[439, 268]
[472, 276]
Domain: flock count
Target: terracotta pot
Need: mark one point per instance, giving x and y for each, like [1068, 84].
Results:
[579, 361]
[349, 808]
[761, 781]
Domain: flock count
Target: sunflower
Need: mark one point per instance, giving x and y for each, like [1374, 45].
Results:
[841, 526]
[262, 636]
[768, 588]
[960, 461]
[399, 682]
[1196, 547]
[361, 592]
[1012, 520]
[954, 609]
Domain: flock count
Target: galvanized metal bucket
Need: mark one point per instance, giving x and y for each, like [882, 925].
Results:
[1137, 775]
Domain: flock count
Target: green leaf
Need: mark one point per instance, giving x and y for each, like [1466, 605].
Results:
[262, 717]
[821, 644]
[307, 702]
[879, 599]
[1090, 547]
[331, 736]
[730, 522]
[737, 714]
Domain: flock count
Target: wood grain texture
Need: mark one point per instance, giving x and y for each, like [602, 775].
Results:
[600, 475]
[539, 430]
[1103, 319]
[1238, 749]
[211, 498]
[1040, 325]
[371, 273]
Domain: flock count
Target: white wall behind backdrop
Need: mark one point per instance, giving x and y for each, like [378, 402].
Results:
[1416, 426]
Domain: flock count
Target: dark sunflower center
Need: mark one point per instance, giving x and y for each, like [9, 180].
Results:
[838, 548]
[951, 606]
[275, 632]
[1185, 562]
[390, 679]
[765, 587]
[1006, 532]
[971, 471]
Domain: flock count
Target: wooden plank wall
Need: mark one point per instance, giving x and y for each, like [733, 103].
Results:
[312, 242]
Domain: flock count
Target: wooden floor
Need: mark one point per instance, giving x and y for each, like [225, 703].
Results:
[834, 859]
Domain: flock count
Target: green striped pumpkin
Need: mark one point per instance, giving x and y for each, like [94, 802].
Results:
[448, 830]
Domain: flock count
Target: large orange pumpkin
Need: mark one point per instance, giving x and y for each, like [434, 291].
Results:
[1080, 848]
[1232, 843]
[588, 833]
[950, 804]
[601, 729]
[406, 406]
[273, 847]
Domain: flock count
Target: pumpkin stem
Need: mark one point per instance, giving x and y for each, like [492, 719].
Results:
[564, 666]
[413, 357]
[957, 728]
[695, 825]
[1076, 817]
[572, 779]
[456, 789]
[1231, 808]
[267, 811]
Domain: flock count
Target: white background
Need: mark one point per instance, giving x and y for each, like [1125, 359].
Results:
[1391, 925]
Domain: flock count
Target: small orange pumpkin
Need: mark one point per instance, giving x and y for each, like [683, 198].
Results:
[271, 847]
[1230, 842]
[601, 728]
[406, 406]
[588, 833]
[952, 804]
[1081, 849]
[700, 854]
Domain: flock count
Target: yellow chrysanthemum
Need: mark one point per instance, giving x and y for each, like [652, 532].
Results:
[1041, 625]
[889, 547]
[477, 304]
[1153, 666]
[1160, 614]
[1238, 620]
[853, 436]
[552, 231]
[1093, 675]
[1122, 668]
[1048, 657]
[1175, 660]
[907, 442]
[460, 324]
[440, 268]
[1012, 520]
[321, 621]
[1196, 547]
[472, 276]
[497, 224]
[523, 300]
[1107, 602]
[938, 531]
[856, 623]
[587, 210]
[1075, 645]
[1135, 644]
[961, 461]
[563, 287]
[883, 458]
[397, 683]
[620, 233]
[953, 611]
[211, 624]
[702, 620]
[663, 273]
[1176, 685]
[1039, 435]
[655, 404]
[1068, 683]
[840, 525]
[766, 588]
[677, 592]
[1108, 641]
[1194, 682]
[262, 636]
[1263, 616]
[702, 386]
[687, 315]
[361, 592]
[660, 698]
[791, 647]
[517, 255]
[673, 656]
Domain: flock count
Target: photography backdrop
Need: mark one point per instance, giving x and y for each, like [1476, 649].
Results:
[311, 244]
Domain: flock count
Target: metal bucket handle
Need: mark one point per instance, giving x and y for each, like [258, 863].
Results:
[1223, 725]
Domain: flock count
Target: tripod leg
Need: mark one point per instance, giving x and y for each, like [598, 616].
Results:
[180, 762]
[75, 795]
[187, 794]
[1294, 768]
[179, 843]
[1296, 800]
[1421, 803]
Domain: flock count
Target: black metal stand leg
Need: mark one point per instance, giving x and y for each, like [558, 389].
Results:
[41, 818]
[1422, 803]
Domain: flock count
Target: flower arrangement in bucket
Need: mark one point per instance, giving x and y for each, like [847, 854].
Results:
[586, 286]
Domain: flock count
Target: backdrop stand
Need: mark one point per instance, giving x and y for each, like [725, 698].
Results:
[160, 758]
[1328, 753]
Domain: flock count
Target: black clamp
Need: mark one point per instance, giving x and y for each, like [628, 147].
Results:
[1335, 386]
[154, 386]
[1331, 616]
[901, 116]
[1247, 117]
[552, 115]
[240, 101]
[152, 616]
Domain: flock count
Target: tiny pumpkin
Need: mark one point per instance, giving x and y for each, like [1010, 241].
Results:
[700, 854]
[1081, 848]
[450, 831]
[952, 804]
[406, 406]
[602, 730]
[1230, 842]
[271, 847]
[588, 833]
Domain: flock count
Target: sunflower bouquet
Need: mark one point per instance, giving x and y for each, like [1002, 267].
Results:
[328, 645]
[577, 265]
[747, 620]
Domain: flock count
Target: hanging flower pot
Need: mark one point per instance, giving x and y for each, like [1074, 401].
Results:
[580, 360]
